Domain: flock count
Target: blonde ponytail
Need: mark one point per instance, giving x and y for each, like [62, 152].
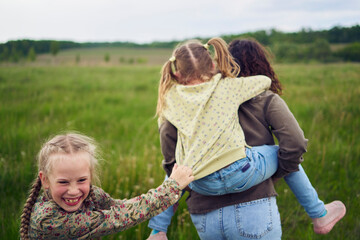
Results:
[25, 216]
[165, 84]
[226, 64]
[192, 61]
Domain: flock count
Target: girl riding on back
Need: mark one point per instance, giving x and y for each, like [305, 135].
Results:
[201, 100]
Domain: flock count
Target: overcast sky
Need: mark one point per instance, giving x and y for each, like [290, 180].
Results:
[144, 21]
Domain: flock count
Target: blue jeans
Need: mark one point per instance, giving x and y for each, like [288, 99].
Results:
[298, 182]
[162, 221]
[259, 219]
[259, 164]
[305, 193]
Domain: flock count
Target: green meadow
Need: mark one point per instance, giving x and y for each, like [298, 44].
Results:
[114, 101]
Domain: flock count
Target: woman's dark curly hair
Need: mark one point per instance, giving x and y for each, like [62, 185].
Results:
[253, 59]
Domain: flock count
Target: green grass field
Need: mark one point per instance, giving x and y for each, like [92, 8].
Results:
[115, 104]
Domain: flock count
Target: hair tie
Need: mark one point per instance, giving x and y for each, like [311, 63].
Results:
[206, 46]
[172, 59]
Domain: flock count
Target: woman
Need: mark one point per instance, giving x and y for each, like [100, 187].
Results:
[260, 117]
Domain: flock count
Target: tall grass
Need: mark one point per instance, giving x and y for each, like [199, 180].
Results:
[116, 105]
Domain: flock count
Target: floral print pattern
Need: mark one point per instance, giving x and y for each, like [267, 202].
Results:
[101, 217]
[205, 115]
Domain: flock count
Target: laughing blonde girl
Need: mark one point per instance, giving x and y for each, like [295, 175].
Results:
[64, 204]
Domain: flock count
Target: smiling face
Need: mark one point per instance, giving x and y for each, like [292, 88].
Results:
[69, 179]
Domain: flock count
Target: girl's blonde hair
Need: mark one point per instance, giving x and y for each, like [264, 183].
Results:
[68, 143]
[192, 61]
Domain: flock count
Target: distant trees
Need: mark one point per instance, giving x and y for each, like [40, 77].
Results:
[287, 52]
[343, 35]
[4, 54]
[32, 54]
[350, 53]
[107, 57]
[15, 54]
[54, 47]
[291, 52]
[14, 51]
[319, 50]
[305, 45]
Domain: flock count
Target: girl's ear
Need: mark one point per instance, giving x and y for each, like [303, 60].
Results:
[177, 74]
[44, 180]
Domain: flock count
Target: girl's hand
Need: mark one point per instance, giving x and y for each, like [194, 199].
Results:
[182, 175]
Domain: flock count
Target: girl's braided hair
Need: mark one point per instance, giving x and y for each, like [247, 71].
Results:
[25, 216]
[69, 143]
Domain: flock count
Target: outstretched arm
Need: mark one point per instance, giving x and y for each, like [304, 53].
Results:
[50, 221]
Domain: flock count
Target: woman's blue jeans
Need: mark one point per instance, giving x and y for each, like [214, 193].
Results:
[259, 219]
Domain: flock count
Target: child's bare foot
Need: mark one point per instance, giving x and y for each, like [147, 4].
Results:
[335, 211]
[158, 236]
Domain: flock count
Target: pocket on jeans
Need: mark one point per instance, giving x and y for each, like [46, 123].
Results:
[199, 221]
[254, 177]
[254, 219]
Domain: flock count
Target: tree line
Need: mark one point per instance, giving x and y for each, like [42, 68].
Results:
[308, 45]
[13, 51]
[304, 45]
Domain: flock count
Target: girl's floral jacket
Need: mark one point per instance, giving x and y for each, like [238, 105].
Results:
[101, 217]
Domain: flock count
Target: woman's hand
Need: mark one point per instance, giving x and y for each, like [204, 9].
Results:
[182, 175]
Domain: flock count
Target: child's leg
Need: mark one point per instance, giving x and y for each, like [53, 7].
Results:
[265, 163]
[305, 193]
[324, 217]
[260, 164]
[161, 222]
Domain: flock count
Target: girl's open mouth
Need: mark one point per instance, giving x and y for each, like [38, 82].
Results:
[72, 201]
